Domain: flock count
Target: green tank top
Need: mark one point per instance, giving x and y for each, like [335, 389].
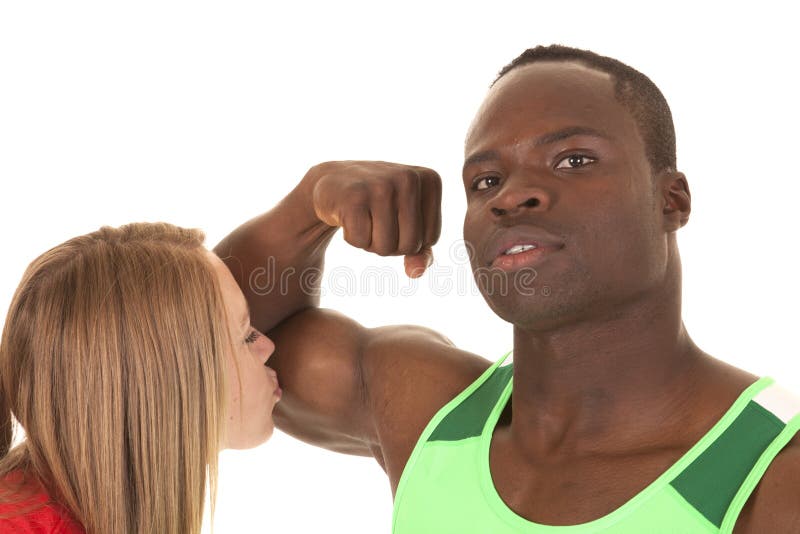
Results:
[446, 486]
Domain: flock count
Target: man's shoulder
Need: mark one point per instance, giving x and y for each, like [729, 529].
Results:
[423, 348]
[418, 370]
[774, 505]
[419, 367]
[411, 372]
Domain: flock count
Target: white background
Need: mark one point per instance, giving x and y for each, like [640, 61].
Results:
[204, 114]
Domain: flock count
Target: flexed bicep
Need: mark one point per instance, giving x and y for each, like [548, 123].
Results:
[318, 361]
[365, 391]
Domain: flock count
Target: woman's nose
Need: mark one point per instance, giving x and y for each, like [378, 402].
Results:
[267, 347]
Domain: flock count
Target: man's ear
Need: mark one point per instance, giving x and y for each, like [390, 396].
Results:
[675, 198]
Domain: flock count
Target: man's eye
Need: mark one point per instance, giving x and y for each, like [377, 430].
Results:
[573, 161]
[484, 182]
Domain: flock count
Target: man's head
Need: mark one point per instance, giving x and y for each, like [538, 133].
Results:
[572, 153]
[635, 91]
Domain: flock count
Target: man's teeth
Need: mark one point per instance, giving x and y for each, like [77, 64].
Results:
[517, 249]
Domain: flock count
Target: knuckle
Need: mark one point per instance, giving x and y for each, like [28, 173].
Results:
[431, 237]
[410, 176]
[382, 250]
[408, 185]
[431, 175]
[356, 241]
[358, 195]
[382, 192]
[412, 247]
[322, 167]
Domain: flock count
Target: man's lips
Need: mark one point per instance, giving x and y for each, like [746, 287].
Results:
[519, 236]
[515, 262]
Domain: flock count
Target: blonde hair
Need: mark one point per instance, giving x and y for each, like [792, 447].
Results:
[112, 360]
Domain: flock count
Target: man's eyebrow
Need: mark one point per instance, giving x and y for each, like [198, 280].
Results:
[569, 131]
[486, 155]
[550, 137]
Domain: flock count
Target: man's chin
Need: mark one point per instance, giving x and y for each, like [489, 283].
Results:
[533, 313]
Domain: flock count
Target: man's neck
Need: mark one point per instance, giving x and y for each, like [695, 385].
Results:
[590, 386]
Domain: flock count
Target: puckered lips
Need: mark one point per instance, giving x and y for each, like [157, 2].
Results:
[278, 392]
[512, 248]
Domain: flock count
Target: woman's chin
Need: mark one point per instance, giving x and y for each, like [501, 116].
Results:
[239, 443]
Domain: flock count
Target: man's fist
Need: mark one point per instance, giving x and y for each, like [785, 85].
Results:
[385, 208]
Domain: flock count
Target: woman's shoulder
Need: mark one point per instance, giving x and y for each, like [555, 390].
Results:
[45, 520]
[27, 509]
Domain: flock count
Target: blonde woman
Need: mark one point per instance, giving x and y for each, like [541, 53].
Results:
[128, 359]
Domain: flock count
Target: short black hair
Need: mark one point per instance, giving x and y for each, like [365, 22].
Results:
[640, 96]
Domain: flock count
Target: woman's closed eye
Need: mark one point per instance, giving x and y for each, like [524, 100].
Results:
[254, 334]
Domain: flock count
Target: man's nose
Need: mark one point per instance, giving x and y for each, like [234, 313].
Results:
[520, 198]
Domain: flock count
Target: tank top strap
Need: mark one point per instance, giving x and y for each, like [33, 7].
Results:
[471, 409]
[464, 416]
[784, 406]
[715, 480]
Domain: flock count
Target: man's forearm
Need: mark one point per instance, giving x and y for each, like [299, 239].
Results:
[386, 208]
[277, 257]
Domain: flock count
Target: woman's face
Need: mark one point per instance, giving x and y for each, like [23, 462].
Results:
[252, 387]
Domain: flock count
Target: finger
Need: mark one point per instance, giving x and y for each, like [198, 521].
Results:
[416, 264]
[357, 224]
[326, 207]
[409, 214]
[384, 221]
[431, 207]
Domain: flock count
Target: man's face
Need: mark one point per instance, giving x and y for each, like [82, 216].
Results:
[553, 161]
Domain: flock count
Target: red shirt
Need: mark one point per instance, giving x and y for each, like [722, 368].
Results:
[44, 517]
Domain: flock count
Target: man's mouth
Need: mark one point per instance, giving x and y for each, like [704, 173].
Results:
[516, 249]
[519, 246]
[520, 256]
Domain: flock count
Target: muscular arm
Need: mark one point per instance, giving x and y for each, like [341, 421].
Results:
[385, 208]
[367, 391]
[346, 387]
[275, 256]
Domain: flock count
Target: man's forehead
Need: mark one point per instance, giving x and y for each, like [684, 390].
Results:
[571, 69]
[550, 92]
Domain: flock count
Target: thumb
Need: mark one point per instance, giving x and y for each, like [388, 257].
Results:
[416, 264]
